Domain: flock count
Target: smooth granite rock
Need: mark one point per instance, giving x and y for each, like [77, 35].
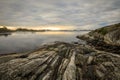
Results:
[61, 61]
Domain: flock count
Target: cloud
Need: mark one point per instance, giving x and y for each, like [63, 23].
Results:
[77, 13]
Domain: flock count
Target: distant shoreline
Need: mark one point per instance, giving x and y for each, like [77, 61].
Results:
[5, 29]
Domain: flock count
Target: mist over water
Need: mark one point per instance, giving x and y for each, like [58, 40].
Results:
[28, 41]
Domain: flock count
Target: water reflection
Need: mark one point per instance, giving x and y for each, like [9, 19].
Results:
[27, 41]
[55, 33]
[5, 34]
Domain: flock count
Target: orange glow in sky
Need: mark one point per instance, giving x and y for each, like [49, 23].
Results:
[43, 27]
[52, 28]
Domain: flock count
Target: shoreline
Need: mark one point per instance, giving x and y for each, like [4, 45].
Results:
[64, 61]
[55, 61]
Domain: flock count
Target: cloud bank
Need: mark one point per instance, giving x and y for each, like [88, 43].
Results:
[82, 14]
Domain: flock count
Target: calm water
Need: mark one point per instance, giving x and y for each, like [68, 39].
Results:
[28, 41]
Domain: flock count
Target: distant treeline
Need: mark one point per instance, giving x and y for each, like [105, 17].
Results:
[5, 29]
[31, 30]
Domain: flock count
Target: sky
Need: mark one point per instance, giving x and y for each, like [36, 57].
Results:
[67, 14]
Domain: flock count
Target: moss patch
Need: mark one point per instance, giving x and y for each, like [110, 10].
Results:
[103, 31]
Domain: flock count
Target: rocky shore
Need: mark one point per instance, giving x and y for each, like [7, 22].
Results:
[64, 61]
[105, 39]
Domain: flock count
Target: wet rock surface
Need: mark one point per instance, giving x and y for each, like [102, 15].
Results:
[61, 61]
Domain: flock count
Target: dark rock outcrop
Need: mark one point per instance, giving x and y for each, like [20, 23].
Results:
[61, 61]
[106, 38]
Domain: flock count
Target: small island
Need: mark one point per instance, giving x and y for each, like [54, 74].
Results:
[98, 59]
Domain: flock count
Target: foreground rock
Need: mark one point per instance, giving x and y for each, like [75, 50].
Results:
[106, 38]
[61, 61]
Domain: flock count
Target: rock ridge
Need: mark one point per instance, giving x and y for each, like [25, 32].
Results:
[61, 61]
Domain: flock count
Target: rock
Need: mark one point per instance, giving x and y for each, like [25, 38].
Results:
[64, 61]
[70, 69]
[113, 37]
[89, 60]
[106, 38]
[99, 73]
